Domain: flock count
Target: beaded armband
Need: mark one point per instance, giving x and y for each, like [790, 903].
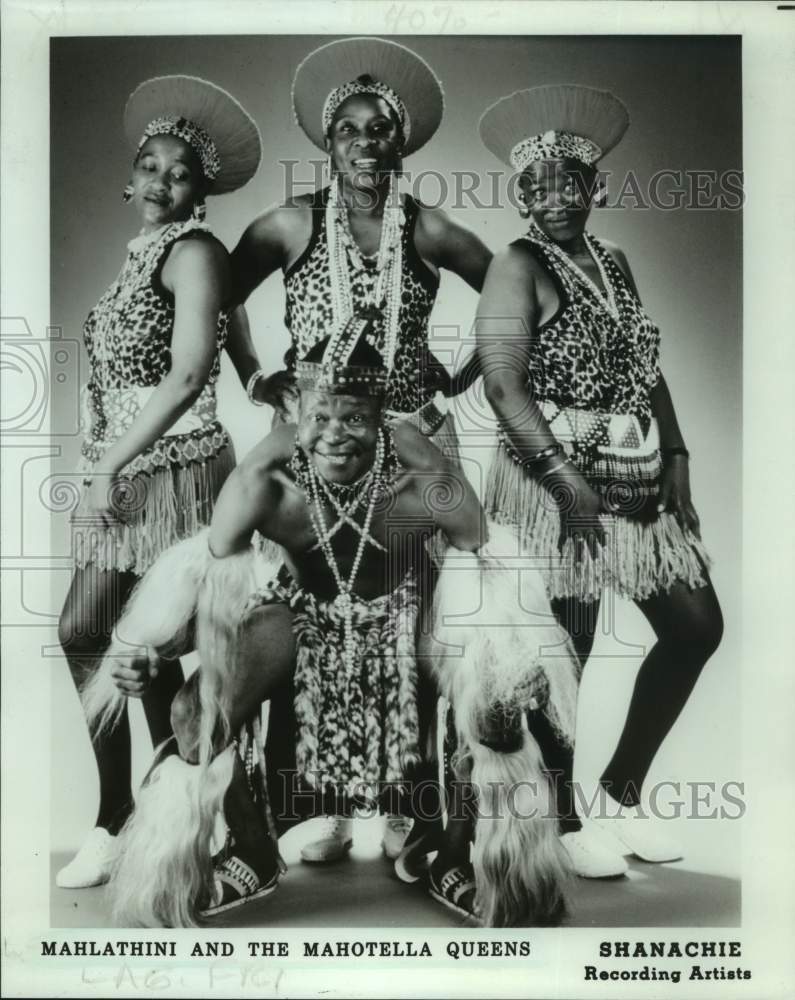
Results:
[540, 456]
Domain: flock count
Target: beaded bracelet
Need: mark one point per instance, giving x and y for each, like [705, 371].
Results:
[549, 452]
[258, 374]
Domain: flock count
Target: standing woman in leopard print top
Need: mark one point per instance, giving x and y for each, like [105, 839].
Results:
[591, 465]
[359, 244]
[154, 454]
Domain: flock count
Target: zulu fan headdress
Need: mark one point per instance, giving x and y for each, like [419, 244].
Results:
[556, 122]
[216, 126]
[345, 364]
[338, 70]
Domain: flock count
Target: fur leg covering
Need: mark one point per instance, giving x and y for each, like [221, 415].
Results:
[496, 646]
[187, 581]
[156, 616]
[164, 872]
[520, 867]
[223, 598]
[494, 637]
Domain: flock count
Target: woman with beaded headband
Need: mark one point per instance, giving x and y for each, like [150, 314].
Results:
[591, 465]
[154, 454]
[358, 244]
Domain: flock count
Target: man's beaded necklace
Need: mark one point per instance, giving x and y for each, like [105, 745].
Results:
[313, 485]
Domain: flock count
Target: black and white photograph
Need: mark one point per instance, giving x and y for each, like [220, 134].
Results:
[393, 442]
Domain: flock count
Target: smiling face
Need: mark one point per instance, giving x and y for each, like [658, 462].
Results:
[339, 434]
[167, 181]
[558, 194]
[364, 140]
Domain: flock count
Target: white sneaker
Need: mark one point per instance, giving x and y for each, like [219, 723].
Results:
[589, 859]
[636, 831]
[396, 829]
[334, 842]
[92, 863]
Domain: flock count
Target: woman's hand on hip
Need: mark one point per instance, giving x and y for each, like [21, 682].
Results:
[277, 390]
[581, 508]
[102, 487]
[675, 494]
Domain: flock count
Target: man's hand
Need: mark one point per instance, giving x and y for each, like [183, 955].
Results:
[134, 672]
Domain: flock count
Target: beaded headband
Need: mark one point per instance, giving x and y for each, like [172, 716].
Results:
[334, 374]
[195, 136]
[346, 90]
[340, 380]
[553, 145]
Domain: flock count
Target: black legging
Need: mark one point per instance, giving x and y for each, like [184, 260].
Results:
[93, 606]
[688, 626]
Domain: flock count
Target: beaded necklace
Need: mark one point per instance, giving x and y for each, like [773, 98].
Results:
[347, 495]
[346, 510]
[312, 484]
[344, 254]
[144, 251]
[606, 299]
[589, 429]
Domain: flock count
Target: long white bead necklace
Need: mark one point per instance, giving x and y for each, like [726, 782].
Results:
[344, 255]
[317, 517]
[606, 299]
[144, 250]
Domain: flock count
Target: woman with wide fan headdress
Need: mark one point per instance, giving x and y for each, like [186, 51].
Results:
[360, 246]
[154, 454]
[358, 243]
[591, 466]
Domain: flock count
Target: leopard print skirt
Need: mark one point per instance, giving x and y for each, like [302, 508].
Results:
[357, 722]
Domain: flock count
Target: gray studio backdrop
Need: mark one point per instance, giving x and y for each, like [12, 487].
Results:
[684, 99]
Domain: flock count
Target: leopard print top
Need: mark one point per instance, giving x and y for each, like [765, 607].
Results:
[128, 340]
[585, 358]
[308, 314]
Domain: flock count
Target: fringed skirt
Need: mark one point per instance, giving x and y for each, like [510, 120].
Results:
[440, 429]
[644, 552]
[357, 721]
[156, 507]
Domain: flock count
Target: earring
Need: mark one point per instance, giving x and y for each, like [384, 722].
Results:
[127, 194]
[524, 211]
[199, 211]
[328, 168]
